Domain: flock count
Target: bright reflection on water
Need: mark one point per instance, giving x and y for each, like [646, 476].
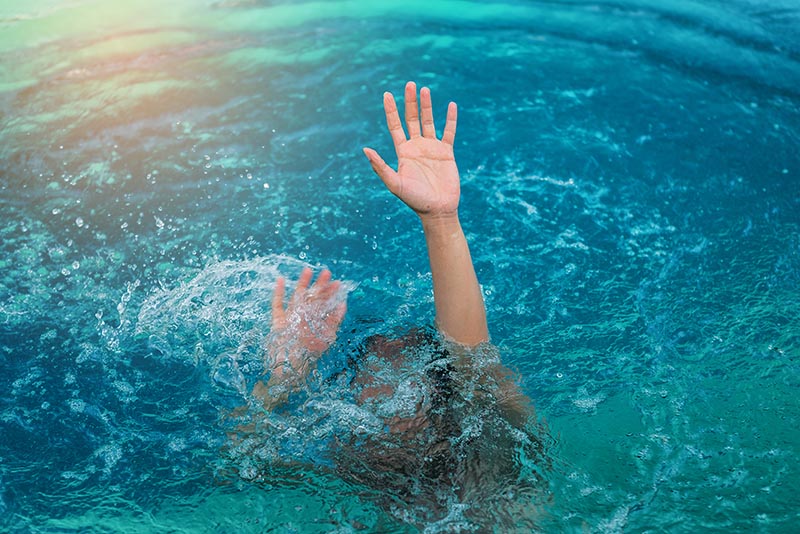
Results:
[630, 192]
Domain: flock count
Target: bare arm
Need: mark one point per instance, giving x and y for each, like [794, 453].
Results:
[427, 181]
[460, 312]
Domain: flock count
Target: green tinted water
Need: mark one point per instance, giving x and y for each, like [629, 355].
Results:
[629, 191]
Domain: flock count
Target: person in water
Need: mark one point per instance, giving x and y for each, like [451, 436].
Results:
[451, 415]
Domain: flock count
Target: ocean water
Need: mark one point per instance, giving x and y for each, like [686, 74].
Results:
[630, 190]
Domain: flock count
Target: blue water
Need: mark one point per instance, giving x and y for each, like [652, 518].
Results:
[630, 193]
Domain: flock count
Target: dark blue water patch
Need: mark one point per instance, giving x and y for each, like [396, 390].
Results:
[99, 419]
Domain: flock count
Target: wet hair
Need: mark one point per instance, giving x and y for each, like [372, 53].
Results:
[460, 450]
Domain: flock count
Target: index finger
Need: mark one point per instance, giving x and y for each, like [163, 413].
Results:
[393, 120]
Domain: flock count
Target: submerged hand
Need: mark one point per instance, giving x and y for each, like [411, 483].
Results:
[307, 326]
[427, 177]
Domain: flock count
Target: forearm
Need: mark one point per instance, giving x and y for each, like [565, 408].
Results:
[460, 311]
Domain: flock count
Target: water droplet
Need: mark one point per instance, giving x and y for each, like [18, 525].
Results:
[75, 265]
[266, 186]
[79, 222]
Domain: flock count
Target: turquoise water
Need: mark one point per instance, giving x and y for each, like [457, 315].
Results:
[630, 191]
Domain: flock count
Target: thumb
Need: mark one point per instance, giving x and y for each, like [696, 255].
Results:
[386, 173]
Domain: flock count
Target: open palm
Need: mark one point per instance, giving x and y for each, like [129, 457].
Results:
[307, 326]
[427, 177]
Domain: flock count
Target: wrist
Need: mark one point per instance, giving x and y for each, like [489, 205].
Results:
[439, 221]
[289, 363]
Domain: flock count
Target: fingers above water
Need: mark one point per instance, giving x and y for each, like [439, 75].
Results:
[386, 173]
[278, 314]
[324, 288]
[450, 126]
[393, 120]
[322, 280]
[302, 283]
[428, 128]
[412, 110]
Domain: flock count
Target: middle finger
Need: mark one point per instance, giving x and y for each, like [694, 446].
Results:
[412, 110]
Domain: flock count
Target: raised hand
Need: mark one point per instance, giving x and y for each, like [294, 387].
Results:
[307, 326]
[427, 180]
[427, 177]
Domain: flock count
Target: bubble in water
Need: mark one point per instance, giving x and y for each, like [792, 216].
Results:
[76, 405]
[79, 222]
[110, 454]
[248, 472]
[227, 374]
[75, 265]
[177, 445]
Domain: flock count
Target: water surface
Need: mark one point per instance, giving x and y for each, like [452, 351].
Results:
[630, 192]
